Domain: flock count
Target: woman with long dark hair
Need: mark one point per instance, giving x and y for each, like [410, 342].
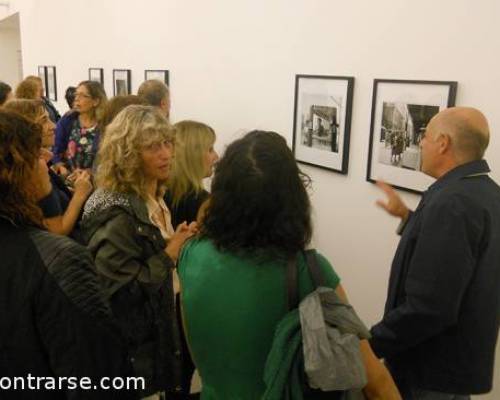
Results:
[233, 276]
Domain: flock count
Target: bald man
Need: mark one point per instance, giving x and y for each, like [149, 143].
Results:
[156, 94]
[442, 314]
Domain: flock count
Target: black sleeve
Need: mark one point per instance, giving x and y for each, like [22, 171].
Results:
[187, 208]
[77, 330]
[50, 204]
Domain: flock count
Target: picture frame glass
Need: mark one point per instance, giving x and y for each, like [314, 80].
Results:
[160, 75]
[322, 121]
[51, 83]
[401, 112]
[41, 72]
[121, 82]
[96, 75]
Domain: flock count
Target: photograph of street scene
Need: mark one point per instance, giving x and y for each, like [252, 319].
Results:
[319, 126]
[402, 128]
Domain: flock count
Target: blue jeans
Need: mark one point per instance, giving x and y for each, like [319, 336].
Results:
[419, 394]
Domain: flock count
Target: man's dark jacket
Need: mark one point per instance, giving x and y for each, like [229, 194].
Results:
[55, 321]
[443, 307]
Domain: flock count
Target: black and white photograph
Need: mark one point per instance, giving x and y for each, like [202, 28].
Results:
[97, 75]
[401, 111]
[121, 82]
[402, 128]
[51, 86]
[322, 120]
[158, 74]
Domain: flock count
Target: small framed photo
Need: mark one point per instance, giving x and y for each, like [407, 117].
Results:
[51, 87]
[158, 74]
[401, 111]
[121, 82]
[97, 75]
[322, 121]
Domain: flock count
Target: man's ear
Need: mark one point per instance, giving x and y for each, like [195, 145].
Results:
[444, 143]
[165, 104]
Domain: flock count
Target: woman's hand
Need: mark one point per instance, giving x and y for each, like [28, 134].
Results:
[83, 185]
[60, 169]
[182, 233]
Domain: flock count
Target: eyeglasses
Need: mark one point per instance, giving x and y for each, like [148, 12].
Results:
[82, 95]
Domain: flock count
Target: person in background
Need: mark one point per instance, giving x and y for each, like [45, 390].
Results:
[5, 93]
[77, 134]
[194, 161]
[442, 314]
[233, 280]
[56, 322]
[156, 94]
[69, 95]
[61, 207]
[126, 225]
[114, 106]
[51, 109]
[29, 89]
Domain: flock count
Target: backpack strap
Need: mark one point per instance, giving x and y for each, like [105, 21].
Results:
[292, 283]
[314, 271]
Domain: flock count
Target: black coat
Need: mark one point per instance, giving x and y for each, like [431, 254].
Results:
[137, 273]
[443, 307]
[187, 208]
[55, 321]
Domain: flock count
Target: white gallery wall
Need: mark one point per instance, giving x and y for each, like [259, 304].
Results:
[232, 65]
[10, 51]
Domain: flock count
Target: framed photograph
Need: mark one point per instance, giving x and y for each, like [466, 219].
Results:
[158, 74]
[401, 111]
[322, 121]
[42, 74]
[51, 87]
[97, 75]
[121, 82]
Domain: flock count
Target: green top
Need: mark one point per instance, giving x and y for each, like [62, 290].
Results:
[232, 305]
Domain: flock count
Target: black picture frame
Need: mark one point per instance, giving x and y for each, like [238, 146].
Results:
[97, 75]
[401, 109]
[159, 74]
[122, 82]
[322, 121]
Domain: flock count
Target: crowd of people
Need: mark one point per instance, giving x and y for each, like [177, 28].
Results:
[118, 262]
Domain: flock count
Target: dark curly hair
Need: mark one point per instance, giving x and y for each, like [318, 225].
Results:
[20, 142]
[259, 200]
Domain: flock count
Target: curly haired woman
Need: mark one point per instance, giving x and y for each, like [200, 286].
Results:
[127, 226]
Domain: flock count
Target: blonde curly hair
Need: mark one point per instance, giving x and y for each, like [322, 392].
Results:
[119, 160]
